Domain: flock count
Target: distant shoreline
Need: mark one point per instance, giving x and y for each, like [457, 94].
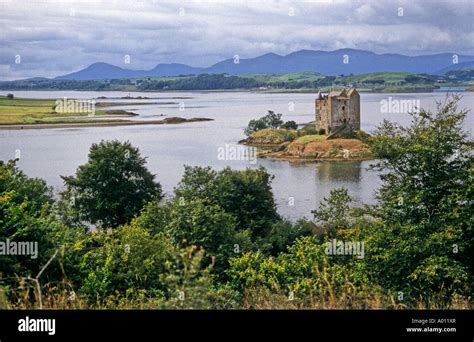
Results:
[105, 123]
[462, 89]
[293, 82]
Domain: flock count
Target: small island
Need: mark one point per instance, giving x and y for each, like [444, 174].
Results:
[334, 135]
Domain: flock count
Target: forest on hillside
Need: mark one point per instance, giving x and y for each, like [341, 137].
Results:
[379, 82]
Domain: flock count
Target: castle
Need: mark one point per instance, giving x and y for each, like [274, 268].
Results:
[338, 110]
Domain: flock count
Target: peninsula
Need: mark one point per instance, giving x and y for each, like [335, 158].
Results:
[23, 113]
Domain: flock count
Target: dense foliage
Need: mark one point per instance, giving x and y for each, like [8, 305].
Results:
[25, 215]
[378, 81]
[425, 203]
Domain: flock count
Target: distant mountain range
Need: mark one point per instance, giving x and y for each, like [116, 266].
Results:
[325, 62]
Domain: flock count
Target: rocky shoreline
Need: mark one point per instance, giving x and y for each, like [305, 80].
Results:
[333, 149]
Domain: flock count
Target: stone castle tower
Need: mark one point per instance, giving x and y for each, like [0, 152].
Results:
[337, 109]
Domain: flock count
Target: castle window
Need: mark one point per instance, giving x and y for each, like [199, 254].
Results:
[343, 107]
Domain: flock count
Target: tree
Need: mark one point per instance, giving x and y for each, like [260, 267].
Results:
[246, 195]
[254, 126]
[289, 125]
[25, 216]
[273, 120]
[197, 182]
[333, 211]
[112, 187]
[284, 233]
[206, 226]
[34, 191]
[424, 245]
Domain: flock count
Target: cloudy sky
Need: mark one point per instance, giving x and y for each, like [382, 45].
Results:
[53, 37]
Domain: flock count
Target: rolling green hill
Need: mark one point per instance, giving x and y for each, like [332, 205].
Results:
[297, 81]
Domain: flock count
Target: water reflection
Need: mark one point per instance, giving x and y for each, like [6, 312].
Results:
[349, 171]
[306, 184]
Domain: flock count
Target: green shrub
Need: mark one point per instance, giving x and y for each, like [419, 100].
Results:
[304, 273]
[363, 136]
[129, 257]
[308, 129]
[284, 233]
[290, 125]
[273, 136]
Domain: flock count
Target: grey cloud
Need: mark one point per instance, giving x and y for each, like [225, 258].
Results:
[56, 37]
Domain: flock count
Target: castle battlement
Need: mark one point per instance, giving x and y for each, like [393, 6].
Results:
[337, 109]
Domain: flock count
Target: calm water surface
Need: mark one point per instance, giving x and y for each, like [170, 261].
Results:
[49, 153]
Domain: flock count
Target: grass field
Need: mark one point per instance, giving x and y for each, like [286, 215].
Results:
[290, 77]
[19, 110]
[309, 138]
[387, 77]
